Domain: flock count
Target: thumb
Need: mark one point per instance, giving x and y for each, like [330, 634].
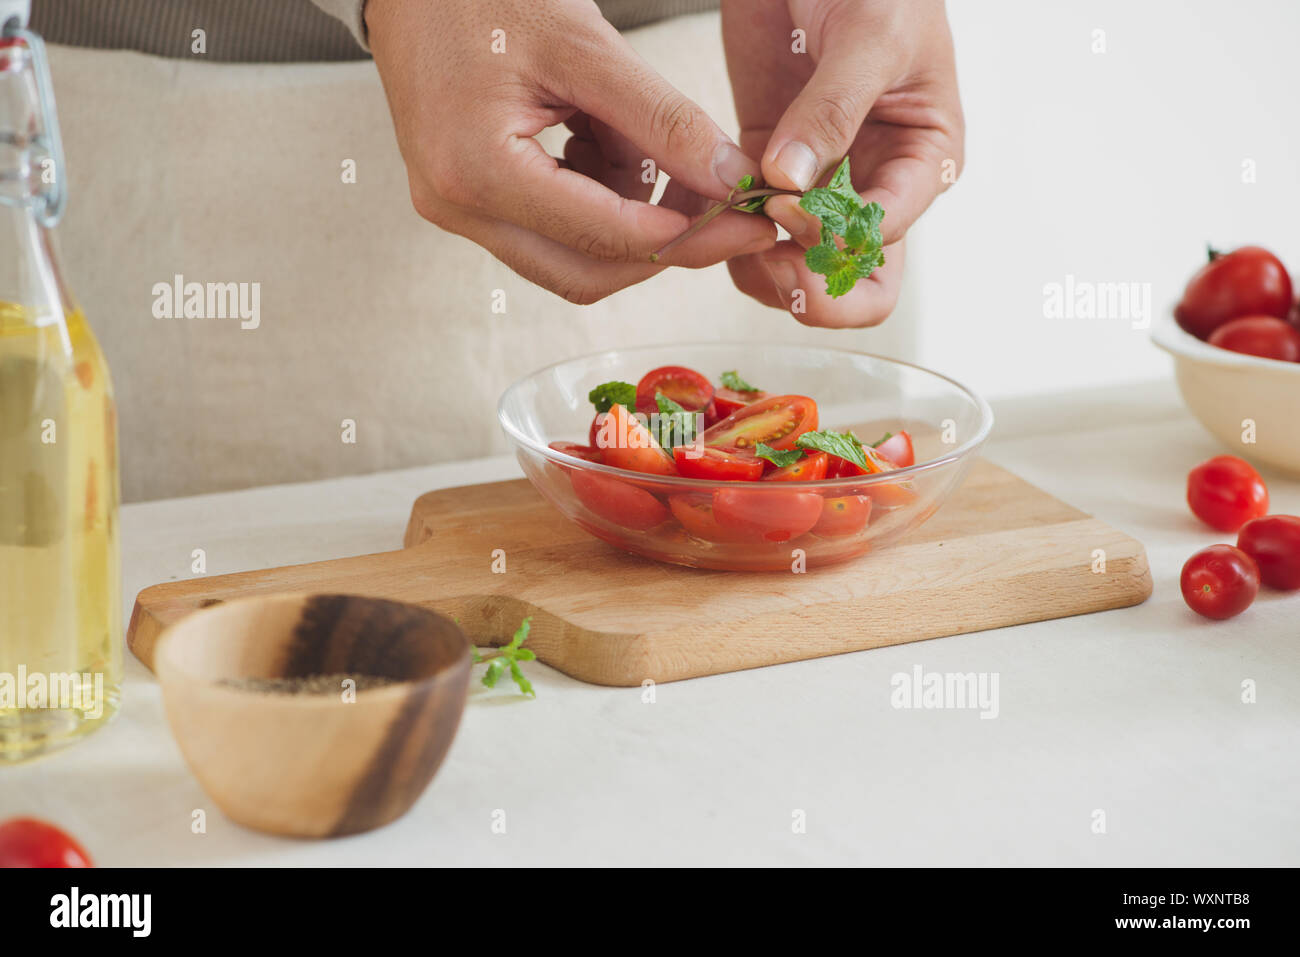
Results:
[623, 91]
[823, 121]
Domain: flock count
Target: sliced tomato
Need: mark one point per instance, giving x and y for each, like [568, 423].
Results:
[841, 468]
[618, 501]
[844, 515]
[692, 391]
[585, 452]
[810, 468]
[772, 516]
[727, 401]
[695, 513]
[704, 462]
[897, 449]
[628, 444]
[777, 420]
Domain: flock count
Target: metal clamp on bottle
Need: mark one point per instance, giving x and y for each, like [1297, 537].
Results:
[48, 144]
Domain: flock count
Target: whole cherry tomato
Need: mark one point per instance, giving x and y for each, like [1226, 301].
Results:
[1220, 581]
[1247, 282]
[27, 842]
[1263, 336]
[1274, 543]
[1226, 493]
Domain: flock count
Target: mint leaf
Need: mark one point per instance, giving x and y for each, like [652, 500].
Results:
[520, 635]
[732, 380]
[494, 671]
[524, 684]
[843, 444]
[883, 439]
[508, 658]
[745, 182]
[842, 182]
[778, 457]
[676, 425]
[609, 394]
[833, 209]
[844, 215]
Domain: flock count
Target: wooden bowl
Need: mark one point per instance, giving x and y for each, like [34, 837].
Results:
[313, 763]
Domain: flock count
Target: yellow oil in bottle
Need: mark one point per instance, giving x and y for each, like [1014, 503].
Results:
[60, 594]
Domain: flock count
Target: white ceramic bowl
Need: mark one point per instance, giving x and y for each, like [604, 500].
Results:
[1227, 391]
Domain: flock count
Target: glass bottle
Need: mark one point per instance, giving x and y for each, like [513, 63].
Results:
[60, 592]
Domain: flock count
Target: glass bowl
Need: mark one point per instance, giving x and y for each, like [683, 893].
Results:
[669, 519]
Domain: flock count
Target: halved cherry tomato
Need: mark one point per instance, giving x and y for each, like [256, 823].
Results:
[840, 468]
[1226, 492]
[695, 512]
[1264, 336]
[618, 501]
[777, 420]
[628, 444]
[727, 401]
[585, 452]
[28, 842]
[843, 516]
[810, 468]
[1247, 282]
[704, 462]
[692, 391]
[897, 449]
[774, 516]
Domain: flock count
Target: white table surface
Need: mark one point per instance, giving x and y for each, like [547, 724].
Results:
[1136, 712]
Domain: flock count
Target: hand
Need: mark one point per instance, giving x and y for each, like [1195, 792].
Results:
[581, 226]
[877, 84]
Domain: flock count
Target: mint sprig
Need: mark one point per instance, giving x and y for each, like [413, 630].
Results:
[851, 246]
[843, 214]
[507, 658]
[676, 425]
[778, 457]
[609, 394]
[732, 380]
[843, 444]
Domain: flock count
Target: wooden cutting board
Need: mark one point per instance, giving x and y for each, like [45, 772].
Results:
[1000, 552]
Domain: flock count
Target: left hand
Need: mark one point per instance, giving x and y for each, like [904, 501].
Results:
[877, 83]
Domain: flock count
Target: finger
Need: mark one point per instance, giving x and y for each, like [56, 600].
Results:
[822, 122]
[904, 186]
[775, 278]
[611, 160]
[804, 228]
[615, 85]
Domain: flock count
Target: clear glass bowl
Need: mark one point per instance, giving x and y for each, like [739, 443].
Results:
[869, 394]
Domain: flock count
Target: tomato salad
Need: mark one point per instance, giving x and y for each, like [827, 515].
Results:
[677, 422]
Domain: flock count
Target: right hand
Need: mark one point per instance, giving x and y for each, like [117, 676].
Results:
[466, 119]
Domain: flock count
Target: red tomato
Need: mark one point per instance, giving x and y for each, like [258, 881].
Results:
[897, 449]
[844, 515]
[704, 462]
[1263, 336]
[773, 516]
[810, 468]
[727, 401]
[695, 512]
[777, 420]
[1274, 543]
[628, 444]
[27, 842]
[839, 468]
[1220, 581]
[617, 501]
[692, 391]
[1226, 493]
[585, 452]
[1247, 282]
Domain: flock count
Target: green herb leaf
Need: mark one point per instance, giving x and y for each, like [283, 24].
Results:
[508, 657]
[676, 425]
[778, 457]
[882, 440]
[609, 394]
[520, 635]
[524, 684]
[732, 380]
[843, 444]
[494, 671]
[745, 182]
[843, 214]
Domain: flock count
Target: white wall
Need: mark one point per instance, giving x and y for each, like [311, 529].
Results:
[1115, 166]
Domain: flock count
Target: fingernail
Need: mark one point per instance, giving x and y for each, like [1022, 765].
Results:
[799, 162]
[783, 277]
[730, 165]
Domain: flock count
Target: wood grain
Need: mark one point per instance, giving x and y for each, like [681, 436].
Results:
[1000, 552]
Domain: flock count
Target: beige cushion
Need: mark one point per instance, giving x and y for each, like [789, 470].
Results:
[231, 173]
